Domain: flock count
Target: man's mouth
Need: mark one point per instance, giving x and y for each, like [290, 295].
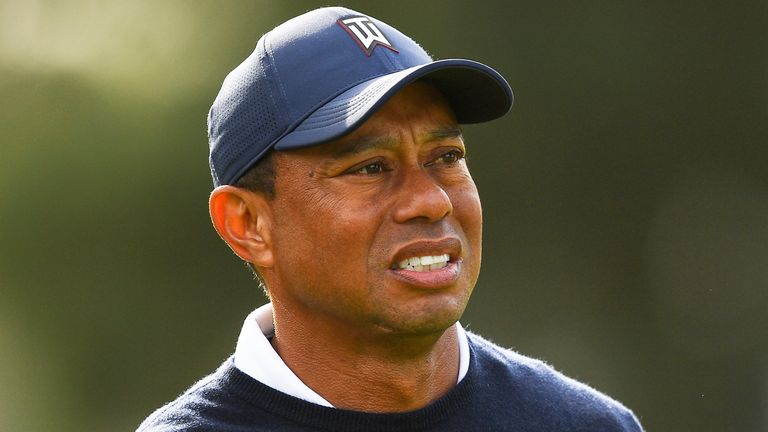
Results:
[428, 263]
[424, 263]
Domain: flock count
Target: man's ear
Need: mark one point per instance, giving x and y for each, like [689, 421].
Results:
[243, 219]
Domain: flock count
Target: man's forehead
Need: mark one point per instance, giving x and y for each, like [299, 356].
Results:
[388, 139]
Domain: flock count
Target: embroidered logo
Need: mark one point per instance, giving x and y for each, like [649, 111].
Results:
[365, 33]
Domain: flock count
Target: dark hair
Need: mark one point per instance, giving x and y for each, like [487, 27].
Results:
[259, 178]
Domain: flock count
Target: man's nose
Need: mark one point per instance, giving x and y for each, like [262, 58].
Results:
[421, 197]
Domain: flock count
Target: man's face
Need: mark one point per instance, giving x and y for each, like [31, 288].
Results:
[357, 221]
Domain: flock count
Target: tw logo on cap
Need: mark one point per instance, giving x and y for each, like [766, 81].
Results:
[365, 33]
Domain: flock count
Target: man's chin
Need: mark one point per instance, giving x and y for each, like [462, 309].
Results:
[425, 322]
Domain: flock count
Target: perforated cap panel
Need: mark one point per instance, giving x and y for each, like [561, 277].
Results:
[243, 118]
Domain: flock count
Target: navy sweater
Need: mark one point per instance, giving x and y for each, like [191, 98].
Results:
[502, 391]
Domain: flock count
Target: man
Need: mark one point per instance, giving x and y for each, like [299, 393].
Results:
[340, 178]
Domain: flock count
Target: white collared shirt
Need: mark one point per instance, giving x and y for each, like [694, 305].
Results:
[255, 357]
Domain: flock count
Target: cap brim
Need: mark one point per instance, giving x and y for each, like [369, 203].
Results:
[476, 92]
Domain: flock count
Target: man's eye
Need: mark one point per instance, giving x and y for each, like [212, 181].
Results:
[372, 168]
[449, 158]
[452, 156]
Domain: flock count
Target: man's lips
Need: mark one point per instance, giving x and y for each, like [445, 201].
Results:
[428, 263]
[439, 278]
[424, 249]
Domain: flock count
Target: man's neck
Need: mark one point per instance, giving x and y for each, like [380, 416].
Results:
[379, 373]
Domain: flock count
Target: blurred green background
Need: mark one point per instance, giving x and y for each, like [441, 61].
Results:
[625, 198]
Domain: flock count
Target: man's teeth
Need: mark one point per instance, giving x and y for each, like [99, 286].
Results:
[424, 263]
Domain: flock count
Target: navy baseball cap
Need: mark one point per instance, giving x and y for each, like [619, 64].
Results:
[320, 75]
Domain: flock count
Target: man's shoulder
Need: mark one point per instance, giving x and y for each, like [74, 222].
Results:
[539, 388]
[208, 405]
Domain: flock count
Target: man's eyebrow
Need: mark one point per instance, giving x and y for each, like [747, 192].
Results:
[444, 132]
[364, 143]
